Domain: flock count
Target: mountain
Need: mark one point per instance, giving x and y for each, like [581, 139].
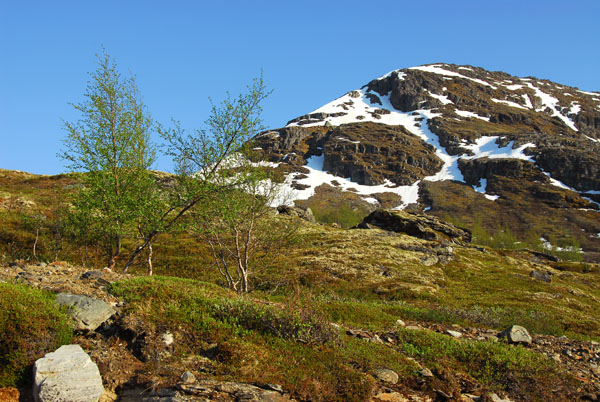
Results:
[483, 149]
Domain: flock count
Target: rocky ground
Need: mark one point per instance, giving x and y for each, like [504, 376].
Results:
[125, 373]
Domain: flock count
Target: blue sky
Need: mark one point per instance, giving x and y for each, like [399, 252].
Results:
[311, 52]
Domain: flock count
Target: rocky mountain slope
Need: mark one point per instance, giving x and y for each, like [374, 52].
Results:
[485, 148]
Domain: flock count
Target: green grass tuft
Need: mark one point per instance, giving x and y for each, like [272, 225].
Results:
[31, 324]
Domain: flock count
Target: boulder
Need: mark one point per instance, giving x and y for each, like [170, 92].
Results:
[68, 374]
[516, 334]
[454, 334]
[541, 276]
[422, 226]
[387, 375]
[87, 312]
[303, 213]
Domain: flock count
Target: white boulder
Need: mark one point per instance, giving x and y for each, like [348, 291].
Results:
[67, 375]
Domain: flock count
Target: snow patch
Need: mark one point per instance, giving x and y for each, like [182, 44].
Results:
[575, 108]
[487, 147]
[437, 69]
[548, 101]
[442, 98]
[514, 87]
[509, 103]
[465, 113]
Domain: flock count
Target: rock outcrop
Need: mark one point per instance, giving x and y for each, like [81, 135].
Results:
[68, 374]
[422, 226]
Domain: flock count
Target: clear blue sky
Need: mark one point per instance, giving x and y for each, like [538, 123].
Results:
[311, 52]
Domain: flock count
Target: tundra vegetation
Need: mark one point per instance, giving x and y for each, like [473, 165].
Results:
[257, 297]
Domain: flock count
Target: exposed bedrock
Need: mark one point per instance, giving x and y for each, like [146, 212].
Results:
[577, 166]
[370, 153]
[474, 170]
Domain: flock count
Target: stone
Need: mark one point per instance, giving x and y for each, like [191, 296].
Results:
[541, 276]
[303, 213]
[390, 397]
[430, 260]
[143, 395]
[401, 323]
[516, 334]
[387, 375]
[425, 372]
[92, 275]
[495, 398]
[68, 374]
[274, 387]
[454, 334]
[188, 378]
[167, 338]
[87, 312]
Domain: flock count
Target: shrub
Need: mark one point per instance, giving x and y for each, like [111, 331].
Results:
[31, 324]
[344, 215]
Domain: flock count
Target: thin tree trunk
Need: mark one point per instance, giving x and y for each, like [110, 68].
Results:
[37, 232]
[115, 255]
[150, 260]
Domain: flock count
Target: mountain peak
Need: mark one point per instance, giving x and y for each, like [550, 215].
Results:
[400, 138]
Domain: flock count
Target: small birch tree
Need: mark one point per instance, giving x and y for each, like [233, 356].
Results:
[111, 145]
[201, 156]
[238, 223]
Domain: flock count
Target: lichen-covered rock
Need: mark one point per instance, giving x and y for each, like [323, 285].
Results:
[88, 313]
[67, 375]
[422, 226]
[387, 375]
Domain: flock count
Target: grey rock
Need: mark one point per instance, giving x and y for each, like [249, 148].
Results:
[143, 395]
[92, 275]
[387, 375]
[274, 387]
[241, 391]
[430, 260]
[188, 378]
[87, 312]
[401, 323]
[306, 214]
[454, 334]
[516, 334]
[68, 374]
[426, 227]
[541, 276]
[425, 372]
[496, 398]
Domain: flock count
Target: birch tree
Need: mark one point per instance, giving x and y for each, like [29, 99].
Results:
[111, 144]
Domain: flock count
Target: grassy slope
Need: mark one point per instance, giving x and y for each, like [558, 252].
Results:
[336, 275]
[295, 347]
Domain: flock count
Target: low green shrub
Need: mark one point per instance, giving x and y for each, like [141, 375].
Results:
[31, 324]
[199, 303]
[492, 363]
